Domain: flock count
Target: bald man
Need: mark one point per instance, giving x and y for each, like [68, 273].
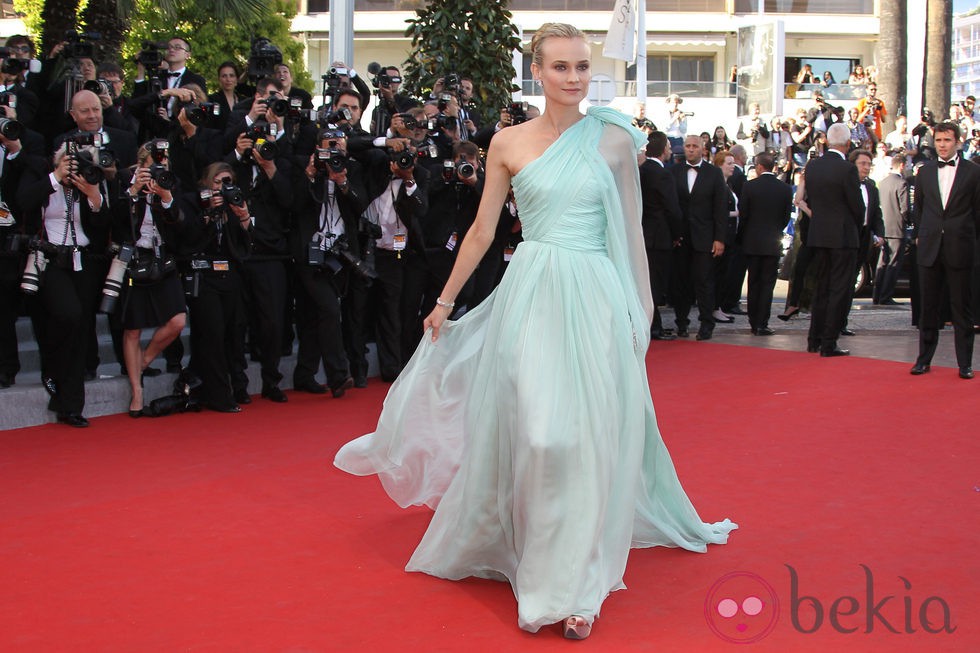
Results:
[86, 112]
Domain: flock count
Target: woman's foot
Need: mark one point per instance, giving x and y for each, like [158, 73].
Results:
[788, 313]
[576, 627]
[136, 405]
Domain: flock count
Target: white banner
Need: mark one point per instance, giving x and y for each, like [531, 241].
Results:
[621, 39]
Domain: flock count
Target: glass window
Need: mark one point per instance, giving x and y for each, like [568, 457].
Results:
[677, 68]
[317, 6]
[861, 7]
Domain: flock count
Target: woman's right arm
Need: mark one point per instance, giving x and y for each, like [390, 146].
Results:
[480, 235]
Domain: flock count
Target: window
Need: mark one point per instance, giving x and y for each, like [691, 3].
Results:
[317, 6]
[678, 73]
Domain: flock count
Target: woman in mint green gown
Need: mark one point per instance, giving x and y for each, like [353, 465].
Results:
[528, 423]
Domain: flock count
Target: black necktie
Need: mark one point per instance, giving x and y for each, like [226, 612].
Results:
[943, 164]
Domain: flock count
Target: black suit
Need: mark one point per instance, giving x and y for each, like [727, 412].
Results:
[894, 197]
[730, 292]
[947, 244]
[704, 209]
[764, 211]
[871, 228]
[837, 214]
[662, 226]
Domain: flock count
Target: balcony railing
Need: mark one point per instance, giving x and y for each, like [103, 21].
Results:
[830, 93]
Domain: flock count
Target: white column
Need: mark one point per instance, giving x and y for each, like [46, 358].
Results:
[641, 52]
[342, 31]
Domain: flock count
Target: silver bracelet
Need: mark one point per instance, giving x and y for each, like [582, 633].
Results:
[449, 305]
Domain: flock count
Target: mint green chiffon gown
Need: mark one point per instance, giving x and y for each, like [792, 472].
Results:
[529, 426]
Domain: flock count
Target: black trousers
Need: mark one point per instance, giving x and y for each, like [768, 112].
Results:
[265, 284]
[67, 302]
[11, 301]
[318, 320]
[217, 338]
[424, 279]
[730, 292]
[960, 284]
[832, 299]
[762, 272]
[386, 296]
[694, 274]
[487, 274]
[889, 264]
[353, 323]
[804, 257]
[660, 264]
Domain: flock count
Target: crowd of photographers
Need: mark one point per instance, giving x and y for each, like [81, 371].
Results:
[245, 213]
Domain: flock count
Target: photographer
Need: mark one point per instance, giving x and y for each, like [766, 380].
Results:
[513, 114]
[360, 143]
[228, 95]
[823, 115]
[260, 161]
[116, 109]
[348, 80]
[264, 111]
[972, 150]
[676, 124]
[390, 101]
[285, 77]
[152, 298]
[455, 190]
[921, 146]
[174, 74]
[193, 144]
[397, 192]
[330, 198]
[216, 240]
[871, 111]
[72, 216]
[17, 102]
[753, 132]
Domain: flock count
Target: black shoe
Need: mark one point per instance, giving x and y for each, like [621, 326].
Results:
[764, 331]
[704, 334]
[360, 381]
[737, 310]
[241, 396]
[786, 316]
[812, 349]
[888, 302]
[846, 332]
[312, 387]
[150, 372]
[682, 332]
[173, 368]
[966, 372]
[72, 419]
[226, 409]
[136, 413]
[338, 391]
[275, 394]
[836, 351]
[919, 368]
[89, 375]
[49, 386]
[663, 335]
[6, 380]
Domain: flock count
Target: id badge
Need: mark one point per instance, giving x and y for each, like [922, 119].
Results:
[76, 260]
[6, 217]
[508, 254]
[451, 243]
[220, 266]
[399, 241]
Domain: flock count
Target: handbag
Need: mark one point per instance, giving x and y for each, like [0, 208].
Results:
[149, 265]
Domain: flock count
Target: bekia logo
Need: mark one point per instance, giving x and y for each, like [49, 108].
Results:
[742, 608]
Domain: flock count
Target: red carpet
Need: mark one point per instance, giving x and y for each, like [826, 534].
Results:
[217, 532]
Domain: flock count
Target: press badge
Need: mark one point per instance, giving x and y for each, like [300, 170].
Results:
[6, 217]
[220, 266]
[76, 260]
[398, 244]
[451, 243]
[508, 253]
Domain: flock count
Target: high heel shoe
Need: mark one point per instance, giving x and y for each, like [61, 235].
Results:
[576, 627]
[785, 316]
[135, 413]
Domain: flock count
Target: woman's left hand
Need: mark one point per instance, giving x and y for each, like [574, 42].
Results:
[435, 320]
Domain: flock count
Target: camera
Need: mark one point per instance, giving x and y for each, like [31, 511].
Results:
[263, 136]
[329, 158]
[687, 114]
[464, 168]
[89, 164]
[100, 87]
[381, 77]
[518, 112]
[443, 101]
[114, 280]
[404, 159]
[451, 83]
[263, 59]
[11, 129]
[37, 260]
[151, 56]
[232, 195]
[163, 177]
[198, 114]
[409, 120]
[337, 256]
[80, 45]
[334, 117]
[448, 170]
[440, 122]
[14, 66]
[278, 105]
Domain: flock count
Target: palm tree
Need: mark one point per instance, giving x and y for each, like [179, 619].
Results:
[939, 55]
[890, 59]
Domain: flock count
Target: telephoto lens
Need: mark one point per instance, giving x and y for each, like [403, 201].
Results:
[114, 280]
[36, 262]
[163, 177]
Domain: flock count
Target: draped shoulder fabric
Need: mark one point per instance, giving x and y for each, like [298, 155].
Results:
[528, 426]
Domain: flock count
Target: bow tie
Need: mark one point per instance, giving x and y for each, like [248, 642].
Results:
[172, 74]
[943, 164]
[695, 168]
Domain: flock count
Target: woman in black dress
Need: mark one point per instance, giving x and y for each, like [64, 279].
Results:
[153, 297]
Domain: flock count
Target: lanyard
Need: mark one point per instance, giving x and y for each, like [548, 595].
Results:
[69, 218]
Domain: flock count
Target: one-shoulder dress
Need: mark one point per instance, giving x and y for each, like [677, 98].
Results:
[529, 425]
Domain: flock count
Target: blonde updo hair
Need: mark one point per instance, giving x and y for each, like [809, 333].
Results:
[548, 30]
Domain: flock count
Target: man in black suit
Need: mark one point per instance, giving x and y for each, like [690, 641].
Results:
[703, 198]
[872, 228]
[730, 295]
[661, 224]
[86, 111]
[837, 212]
[946, 216]
[764, 211]
[894, 194]
[177, 75]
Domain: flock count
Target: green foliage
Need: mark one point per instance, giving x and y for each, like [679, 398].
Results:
[213, 42]
[31, 12]
[473, 39]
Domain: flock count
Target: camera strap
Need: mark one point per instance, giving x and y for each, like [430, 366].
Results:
[329, 215]
[69, 218]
